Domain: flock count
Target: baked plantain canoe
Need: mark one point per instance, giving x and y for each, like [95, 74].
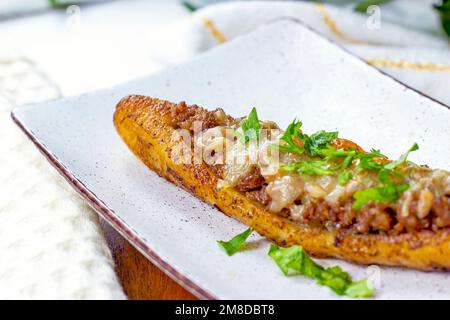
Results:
[319, 191]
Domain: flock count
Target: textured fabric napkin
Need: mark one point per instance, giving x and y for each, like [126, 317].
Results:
[51, 245]
[402, 38]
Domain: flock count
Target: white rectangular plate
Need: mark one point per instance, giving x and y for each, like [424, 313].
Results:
[286, 71]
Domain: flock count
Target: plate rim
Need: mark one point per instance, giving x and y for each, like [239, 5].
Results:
[113, 219]
[355, 56]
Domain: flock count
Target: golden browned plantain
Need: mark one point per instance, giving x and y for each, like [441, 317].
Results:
[146, 125]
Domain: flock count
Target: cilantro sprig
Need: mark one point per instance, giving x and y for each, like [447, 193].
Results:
[323, 166]
[292, 132]
[312, 144]
[403, 158]
[318, 167]
[295, 258]
[388, 191]
[251, 127]
[318, 146]
[327, 160]
[345, 177]
[234, 244]
[318, 141]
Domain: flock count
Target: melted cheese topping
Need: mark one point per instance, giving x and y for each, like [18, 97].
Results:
[286, 187]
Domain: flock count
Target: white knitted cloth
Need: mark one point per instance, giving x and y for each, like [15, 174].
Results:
[51, 246]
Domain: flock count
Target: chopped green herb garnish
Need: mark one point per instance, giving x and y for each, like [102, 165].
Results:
[402, 159]
[369, 163]
[322, 167]
[332, 153]
[295, 258]
[360, 289]
[318, 167]
[377, 153]
[312, 143]
[318, 145]
[251, 127]
[318, 140]
[232, 246]
[344, 164]
[388, 192]
[366, 160]
[293, 130]
[345, 177]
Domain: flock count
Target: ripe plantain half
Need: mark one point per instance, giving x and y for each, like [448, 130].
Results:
[146, 125]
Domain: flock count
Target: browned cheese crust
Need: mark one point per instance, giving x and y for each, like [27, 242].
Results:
[147, 124]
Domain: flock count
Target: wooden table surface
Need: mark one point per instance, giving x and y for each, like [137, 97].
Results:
[139, 277]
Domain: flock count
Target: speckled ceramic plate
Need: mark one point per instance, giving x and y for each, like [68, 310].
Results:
[286, 71]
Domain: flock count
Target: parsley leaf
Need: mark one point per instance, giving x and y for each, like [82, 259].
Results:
[318, 140]
[317, 167]
[232, 246]
[366, 162]
[381, 194]
[345, 177]
[313, 144]
[251, 127]
[318, 145]
[387, 193]
[402, 159]
[345, 164]
[332, 153]
[295, 258]
[360, 289]
[293, 130]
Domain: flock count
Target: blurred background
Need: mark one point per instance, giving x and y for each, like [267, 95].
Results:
[111, 40]
[51, 244]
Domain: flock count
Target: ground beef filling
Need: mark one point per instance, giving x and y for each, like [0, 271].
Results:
[391, 218]
[254, 187]
[184, 116]
[253, 180]
[372, 218]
